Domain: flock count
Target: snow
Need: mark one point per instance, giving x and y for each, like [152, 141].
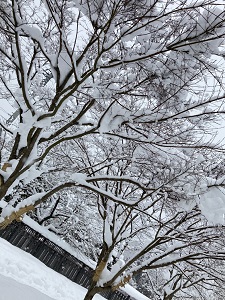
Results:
[92, 264]
[25, 126]
[64, 64]
[209, 19]
[34, 32]
[11, 289]
[107, 233]
[113, 118]
[212, 205]
[133, 293]
[9, 208]
[23, 277]
[58, 241]
[46, 122]
[79, 177]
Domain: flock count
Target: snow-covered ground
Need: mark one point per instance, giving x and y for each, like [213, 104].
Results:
[26, 274]
[23, 277]
[12, 289]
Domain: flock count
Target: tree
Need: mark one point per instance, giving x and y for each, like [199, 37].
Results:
[183, 282]
[124, 83]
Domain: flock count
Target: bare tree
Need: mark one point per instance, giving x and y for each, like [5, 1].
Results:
[183, 281]
[126, 84]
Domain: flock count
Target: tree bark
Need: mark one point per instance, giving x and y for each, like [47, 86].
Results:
[90, 295]
[92, 290]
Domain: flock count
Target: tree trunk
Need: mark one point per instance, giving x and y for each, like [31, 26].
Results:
[92, 290]
[168, 297]
[90, 295]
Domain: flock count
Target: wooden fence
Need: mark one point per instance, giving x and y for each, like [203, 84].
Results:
[53, 256]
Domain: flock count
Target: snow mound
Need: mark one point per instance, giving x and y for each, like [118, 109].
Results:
[23, 277]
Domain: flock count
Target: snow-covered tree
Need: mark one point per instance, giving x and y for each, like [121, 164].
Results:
[113, 98]
[203, 281]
